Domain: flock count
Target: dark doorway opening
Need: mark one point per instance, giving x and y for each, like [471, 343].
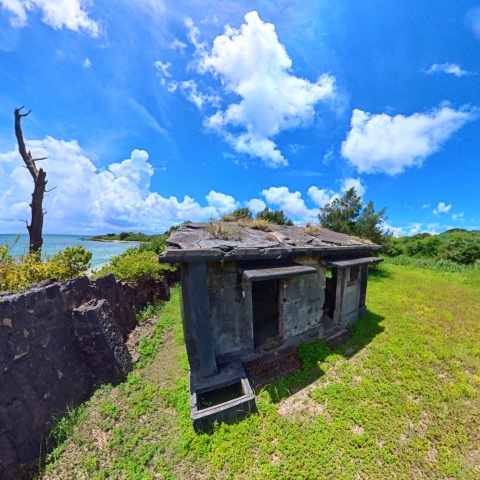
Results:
[330, 295]
[265, 311]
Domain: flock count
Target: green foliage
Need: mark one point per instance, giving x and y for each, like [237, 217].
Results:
[274, 216]
[138, 264]
[455, 245]
[18, 273]
[464, 249]
[73, 261]
[428, 263]
[238, 214]
[399, 400]
[64, 426]
[135, 265]
[124, 237]
[345, 215]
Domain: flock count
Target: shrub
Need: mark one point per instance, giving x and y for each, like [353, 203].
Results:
[136, 265]
[18, 273]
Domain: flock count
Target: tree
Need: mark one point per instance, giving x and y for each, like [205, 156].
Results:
[238, 214]
[40, 181]
[345, 215]
[274, 216]
[340, 214]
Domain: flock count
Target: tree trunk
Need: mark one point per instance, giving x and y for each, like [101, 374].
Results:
[39, 178]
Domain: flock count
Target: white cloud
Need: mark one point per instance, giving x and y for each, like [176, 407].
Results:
[458, 216]
[256, 205]
[163, 68]
[394, 231]
[414, 228]
[58, 14]
[418, 227]
[291, 203]
[178, 45]
[89, 200]
[87, 63]
[252, 64]
[450, 68]
[190, 89]
[381, 143]
[119, 197]
[442, 207]
[426, 205]
[328, 157]
[356, 183]
[320, 196]
[221, 202]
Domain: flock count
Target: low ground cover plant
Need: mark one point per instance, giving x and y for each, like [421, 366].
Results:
[400, 400]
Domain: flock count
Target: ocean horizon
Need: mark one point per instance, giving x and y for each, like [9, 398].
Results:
[102, 252]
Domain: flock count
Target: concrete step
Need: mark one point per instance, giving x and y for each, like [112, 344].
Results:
[337, 337]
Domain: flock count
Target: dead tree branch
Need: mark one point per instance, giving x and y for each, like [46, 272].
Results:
[40, 181]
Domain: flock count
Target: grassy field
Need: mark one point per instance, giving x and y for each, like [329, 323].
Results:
[401, 400]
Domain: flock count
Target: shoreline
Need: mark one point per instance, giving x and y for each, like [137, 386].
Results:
[112, 241]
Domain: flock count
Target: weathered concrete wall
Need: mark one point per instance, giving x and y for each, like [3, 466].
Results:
[230, 304]
[303, 298]
[58, 341]
[348, 308]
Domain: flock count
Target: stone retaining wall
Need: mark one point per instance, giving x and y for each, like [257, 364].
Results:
[58, 341]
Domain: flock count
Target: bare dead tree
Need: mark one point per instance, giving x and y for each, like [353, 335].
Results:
[39, 179]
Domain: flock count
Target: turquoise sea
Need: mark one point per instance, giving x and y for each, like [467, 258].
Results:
[101, 251]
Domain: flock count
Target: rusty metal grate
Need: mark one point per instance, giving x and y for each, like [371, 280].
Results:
[275, 365]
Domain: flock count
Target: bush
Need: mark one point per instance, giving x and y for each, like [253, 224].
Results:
[18, 273]
[136, 265]
[464, 250]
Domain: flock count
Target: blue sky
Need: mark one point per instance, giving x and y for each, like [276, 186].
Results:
[156, 112]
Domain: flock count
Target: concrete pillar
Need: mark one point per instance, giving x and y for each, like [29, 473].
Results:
[197, 315]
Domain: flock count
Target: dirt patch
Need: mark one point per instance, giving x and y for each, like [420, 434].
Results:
[142, 330]
[302, 402]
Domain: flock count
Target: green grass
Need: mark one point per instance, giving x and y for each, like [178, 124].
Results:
[401, 400]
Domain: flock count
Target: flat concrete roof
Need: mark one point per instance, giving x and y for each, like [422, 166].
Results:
[194, 242]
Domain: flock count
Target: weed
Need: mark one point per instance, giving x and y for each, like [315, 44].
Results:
[311, 229]
[223, 230]
[400, 400]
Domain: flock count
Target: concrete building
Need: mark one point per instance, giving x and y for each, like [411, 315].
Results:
[251, 295]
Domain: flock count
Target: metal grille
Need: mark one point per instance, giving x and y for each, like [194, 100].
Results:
[273, 366]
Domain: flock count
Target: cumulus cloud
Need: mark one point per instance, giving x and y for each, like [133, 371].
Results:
[58, 14]
[419, 227]
[221, 202]
[320, 196]
[291, 203]
[256, 205]
[442, 207]
[385, 144]
[91, 200]
[252, 64]
[87, 199]
[450, 68]
[394, 231]
[355, 183]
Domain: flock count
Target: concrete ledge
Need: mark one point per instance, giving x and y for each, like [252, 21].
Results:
[229, 411]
